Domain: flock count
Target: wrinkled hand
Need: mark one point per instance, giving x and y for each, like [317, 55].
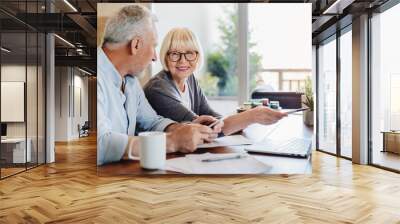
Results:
[266, 115]
[207, 120]
[186, 137]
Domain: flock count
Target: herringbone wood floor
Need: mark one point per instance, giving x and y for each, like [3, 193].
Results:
[69, 191]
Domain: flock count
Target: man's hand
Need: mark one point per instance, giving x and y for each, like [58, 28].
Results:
[185, 137]
[204, 119]
[207, 120]
[265, 115]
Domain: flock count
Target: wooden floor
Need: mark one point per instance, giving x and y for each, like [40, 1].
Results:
[69, 191]
[10, 171]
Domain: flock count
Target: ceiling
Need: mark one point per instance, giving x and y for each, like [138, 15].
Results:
[77, 24]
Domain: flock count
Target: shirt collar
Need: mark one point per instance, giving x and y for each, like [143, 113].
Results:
[110, 71]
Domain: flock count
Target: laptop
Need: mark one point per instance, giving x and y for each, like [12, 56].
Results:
[294, 147]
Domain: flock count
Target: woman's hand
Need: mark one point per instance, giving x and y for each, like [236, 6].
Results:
[207, 120]
[265, 115]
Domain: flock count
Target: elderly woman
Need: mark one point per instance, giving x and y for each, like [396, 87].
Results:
[175, 93]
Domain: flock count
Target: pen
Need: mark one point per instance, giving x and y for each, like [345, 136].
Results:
[296, 110]
[224, 158]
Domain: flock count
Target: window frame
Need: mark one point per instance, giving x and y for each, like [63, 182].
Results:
[334, 37]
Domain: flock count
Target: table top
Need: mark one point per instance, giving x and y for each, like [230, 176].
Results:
[287, 128]
[391, 132]
[13, 140]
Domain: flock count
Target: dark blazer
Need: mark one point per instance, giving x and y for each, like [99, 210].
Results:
[163, 95]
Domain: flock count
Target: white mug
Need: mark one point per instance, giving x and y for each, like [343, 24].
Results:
[152, 150]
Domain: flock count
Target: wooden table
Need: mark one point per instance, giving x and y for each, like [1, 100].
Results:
[391, 141]
[289, 127]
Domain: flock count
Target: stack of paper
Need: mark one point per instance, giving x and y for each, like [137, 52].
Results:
[194, 164]
[231, 140]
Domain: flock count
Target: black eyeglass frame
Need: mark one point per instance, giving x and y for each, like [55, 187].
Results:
[183, 53]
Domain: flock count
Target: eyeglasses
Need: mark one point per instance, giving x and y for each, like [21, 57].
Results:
[175, 56]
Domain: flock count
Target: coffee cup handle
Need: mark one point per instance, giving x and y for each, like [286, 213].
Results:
[131, 156]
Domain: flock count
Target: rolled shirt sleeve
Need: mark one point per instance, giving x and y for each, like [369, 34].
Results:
[111, 147]
[111, 143]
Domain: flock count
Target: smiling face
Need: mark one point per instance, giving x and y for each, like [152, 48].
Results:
[182, 62]
[181, 53]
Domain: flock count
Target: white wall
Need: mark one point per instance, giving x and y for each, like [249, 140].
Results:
[68, 83]
[33, 127]
[13, 101]
[79, 117]
[16, 73]
[61, 103]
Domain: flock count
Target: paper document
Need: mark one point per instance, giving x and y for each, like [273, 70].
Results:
[236, 164]
[230, 140]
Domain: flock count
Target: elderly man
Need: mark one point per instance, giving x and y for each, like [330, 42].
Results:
[123, 110]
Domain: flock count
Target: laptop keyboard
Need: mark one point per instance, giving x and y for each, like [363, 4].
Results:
[290, 146]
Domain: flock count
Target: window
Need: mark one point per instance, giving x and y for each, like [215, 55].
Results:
[346, 94]
[394, 101]
[327, 96]
[385, 84]
[279, 47]
[23, 74]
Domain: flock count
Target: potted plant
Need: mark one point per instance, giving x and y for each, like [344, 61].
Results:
[308, 101]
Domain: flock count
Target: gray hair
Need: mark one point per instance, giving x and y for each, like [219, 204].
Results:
[130, 21]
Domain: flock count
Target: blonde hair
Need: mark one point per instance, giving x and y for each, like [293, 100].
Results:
[178, 38]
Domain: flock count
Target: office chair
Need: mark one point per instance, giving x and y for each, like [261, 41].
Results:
[84, 130]
[287, 100]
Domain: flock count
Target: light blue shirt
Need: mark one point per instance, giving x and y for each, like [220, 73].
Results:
[118, 112]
